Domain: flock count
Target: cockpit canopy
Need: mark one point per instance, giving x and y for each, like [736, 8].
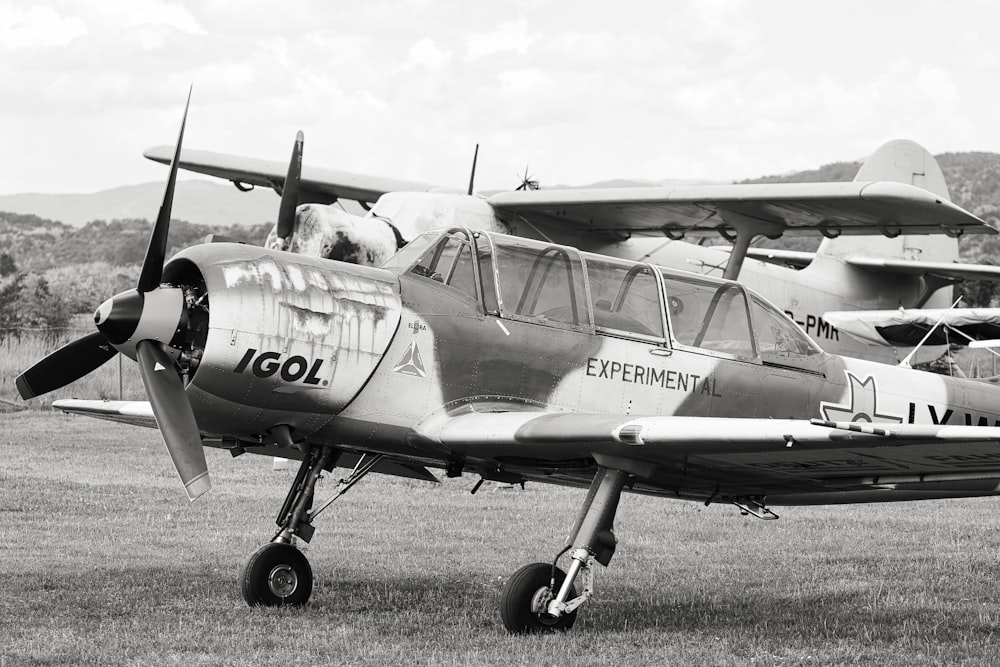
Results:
[559, 286]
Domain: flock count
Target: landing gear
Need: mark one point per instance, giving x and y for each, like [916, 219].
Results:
[524, 603]
[278, 574]
[540, 597]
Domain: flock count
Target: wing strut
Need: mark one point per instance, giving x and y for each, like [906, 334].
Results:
[747, 229]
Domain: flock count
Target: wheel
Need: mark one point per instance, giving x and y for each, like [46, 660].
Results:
[277, 574]
[526, 597]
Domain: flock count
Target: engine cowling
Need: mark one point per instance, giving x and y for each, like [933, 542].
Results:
[277, 338]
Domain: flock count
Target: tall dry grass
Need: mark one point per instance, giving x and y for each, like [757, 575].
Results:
[119, 378]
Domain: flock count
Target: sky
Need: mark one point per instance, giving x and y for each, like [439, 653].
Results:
[575, 91]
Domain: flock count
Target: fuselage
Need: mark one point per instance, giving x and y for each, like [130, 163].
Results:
[465, 321]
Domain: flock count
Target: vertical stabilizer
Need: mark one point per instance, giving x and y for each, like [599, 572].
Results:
[900, 161]
[904, 161]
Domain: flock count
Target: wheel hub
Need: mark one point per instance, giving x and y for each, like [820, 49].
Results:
[282, 581]
[540, 606]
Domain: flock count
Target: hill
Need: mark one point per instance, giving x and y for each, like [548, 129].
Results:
[198, 201]
[74, 233]
[37, 244]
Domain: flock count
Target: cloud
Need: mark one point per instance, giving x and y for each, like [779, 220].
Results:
[507, 37]
[40, 27]
[425, 54]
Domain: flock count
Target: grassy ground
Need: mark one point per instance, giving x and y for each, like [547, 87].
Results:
[104, 562]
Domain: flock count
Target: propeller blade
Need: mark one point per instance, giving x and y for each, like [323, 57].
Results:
[290, 191]
[472, 176]
[174, 416]
[156, 251]
[70, 362]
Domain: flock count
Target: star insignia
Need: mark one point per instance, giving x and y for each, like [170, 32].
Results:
[863, 406]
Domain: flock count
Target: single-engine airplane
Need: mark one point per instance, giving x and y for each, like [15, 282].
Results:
[515, 360]
[908, 257]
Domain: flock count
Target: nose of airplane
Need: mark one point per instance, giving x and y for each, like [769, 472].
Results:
[131, 316]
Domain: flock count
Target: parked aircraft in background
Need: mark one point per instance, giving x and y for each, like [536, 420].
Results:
[519, 360]
[891, 234]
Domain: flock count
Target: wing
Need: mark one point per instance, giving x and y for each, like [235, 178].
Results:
[946, 270]
[707, 457]
[136, 413]
[907, 327]
[829, 208]
[140, 413]
[323, 186]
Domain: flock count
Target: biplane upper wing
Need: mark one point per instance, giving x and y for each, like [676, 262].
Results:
[907, 327]
[828, 208]
[878, 207]
[318, 185]
[736, 456]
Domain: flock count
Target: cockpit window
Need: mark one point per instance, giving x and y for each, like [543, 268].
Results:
[625, 296]
[709, 315]
[778, 338]
[411, 252]
[446, 258]
[541, 282]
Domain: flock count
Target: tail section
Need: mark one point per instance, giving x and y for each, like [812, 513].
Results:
[901, 161]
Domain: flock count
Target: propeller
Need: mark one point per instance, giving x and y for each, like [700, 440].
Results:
[528, 181]
[140, 323]
[290, 193]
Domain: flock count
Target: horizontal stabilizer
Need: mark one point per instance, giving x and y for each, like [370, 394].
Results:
[907, 327]
[947, 270]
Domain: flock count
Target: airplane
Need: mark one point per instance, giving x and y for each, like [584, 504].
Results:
[896, 265]
[513, 360]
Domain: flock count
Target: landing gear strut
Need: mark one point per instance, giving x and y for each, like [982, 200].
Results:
[542, 598]
[278, 573]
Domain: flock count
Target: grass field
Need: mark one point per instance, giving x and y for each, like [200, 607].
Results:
[105, 562]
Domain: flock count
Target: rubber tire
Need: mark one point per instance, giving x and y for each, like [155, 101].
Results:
[516, 600]
[256, 589]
